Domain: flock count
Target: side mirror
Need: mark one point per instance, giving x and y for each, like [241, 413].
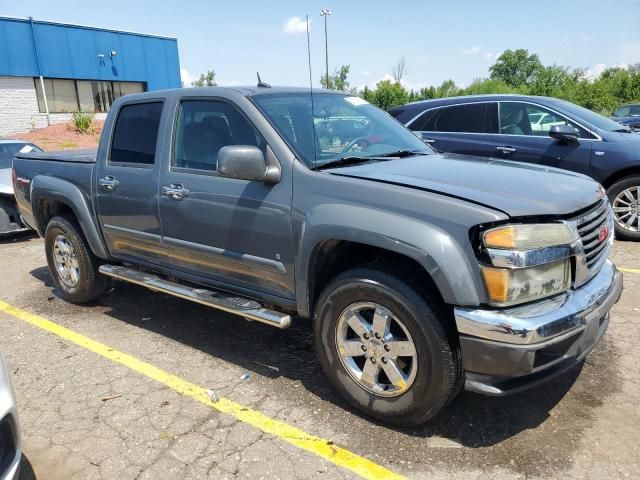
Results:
[564, 133]
[246, 162]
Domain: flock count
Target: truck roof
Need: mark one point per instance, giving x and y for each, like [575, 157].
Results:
[243, 90]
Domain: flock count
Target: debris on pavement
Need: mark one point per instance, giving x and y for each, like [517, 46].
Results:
[213, 395]
[112, 397]
[244, 376]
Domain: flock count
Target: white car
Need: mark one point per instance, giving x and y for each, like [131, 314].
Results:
[9, 215]
[10, 441]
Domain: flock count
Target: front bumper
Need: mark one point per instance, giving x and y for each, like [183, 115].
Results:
[508, 350]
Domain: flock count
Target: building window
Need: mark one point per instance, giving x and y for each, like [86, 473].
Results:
[66, 96]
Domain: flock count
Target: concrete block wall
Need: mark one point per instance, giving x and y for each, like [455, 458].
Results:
[19, 107]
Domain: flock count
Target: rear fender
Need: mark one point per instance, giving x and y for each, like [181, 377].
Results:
[51, 188]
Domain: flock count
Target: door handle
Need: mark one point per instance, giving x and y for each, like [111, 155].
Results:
[175, 191]
[428, 140]
[506, 150]
[109, 183]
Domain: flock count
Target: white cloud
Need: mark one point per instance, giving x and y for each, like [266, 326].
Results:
[296, 25]
[366, 73]
[186, 77]
[586, 38]
[594, 72]
[472, 50]
[489, 55]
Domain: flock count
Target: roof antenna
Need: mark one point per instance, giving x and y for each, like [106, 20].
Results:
[261, 83]
[313, 124]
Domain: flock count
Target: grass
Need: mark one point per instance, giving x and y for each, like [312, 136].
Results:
[68, 145]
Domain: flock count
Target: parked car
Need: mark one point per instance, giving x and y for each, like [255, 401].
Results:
[628, 115]
[10, 441]
[9, 216]
[423, 272]
[571, 137]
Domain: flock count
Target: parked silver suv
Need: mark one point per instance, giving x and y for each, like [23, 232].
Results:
[10, 445]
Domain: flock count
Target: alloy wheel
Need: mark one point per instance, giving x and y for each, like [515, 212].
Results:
[376, 349]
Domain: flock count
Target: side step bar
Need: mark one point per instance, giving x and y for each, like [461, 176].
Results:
[249, 309]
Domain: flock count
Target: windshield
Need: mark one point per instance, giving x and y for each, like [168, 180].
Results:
[8, 150]
[589, 116]
[343, 126]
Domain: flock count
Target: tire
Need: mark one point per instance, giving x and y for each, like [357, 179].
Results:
[618, 199]
[64, 236]
[438, 375]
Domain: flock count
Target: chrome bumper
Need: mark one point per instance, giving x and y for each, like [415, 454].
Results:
[509, 349]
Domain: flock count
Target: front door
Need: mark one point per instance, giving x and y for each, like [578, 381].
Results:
[127, 185]
[524, 136]
[224, 231]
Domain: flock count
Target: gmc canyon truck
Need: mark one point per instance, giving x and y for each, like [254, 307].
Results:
[423, 272]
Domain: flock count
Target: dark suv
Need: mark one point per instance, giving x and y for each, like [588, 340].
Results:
[628, 115]
[541, 130]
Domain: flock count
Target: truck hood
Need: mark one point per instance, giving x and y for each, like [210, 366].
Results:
[6, 185]
[517, 189]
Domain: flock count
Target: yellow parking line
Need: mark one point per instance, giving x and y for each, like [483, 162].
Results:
[323, 448]
[629, 270]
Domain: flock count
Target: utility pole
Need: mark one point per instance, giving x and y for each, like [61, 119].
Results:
[325, 13]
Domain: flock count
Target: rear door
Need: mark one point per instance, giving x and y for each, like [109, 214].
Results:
[524, 136]
[127, 184]
[465, 129]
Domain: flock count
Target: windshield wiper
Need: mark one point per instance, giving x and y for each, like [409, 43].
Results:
[344, 161]
[623, 130]
[401, 153]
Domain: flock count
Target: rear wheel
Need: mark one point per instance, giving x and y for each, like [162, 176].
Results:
[624, 196]
[72, 265]
[385, 346]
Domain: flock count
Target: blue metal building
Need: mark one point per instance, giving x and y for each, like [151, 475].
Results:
[49, 70]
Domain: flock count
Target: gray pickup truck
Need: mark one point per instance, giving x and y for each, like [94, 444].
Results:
[423, 272]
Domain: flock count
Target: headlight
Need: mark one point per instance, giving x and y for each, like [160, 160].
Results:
[529, 262]
[528, 236]
[507, 286]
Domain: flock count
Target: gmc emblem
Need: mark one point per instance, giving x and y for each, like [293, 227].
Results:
[604, 233]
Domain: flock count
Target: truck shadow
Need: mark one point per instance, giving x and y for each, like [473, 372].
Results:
[7, 238]
[471, 420]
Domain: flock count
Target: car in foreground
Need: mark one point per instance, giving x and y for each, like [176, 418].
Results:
[9, 217]
[541, 130]
[10, 441]
[628, 115]
[423, 272]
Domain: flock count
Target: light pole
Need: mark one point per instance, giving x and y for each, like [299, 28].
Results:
[325, 13]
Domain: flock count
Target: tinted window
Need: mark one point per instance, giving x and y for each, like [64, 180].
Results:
[136, 133]
[471, 118]
[204, 127]
[527, 119]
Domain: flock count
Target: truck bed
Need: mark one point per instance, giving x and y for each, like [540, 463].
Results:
[87, 155]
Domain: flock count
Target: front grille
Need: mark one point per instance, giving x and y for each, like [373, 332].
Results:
[590, 228]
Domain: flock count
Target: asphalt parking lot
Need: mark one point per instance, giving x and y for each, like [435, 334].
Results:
[86, 416]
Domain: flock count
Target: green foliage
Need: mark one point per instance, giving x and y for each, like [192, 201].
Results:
[82, 121]
[206, 80]
[520, 72]
[515, 67]
[337, 81]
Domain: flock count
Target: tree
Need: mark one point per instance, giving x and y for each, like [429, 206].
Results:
[386, 95]
[206, 80]
[399, 70]
[448, 88]
[484, 86]
[337, 81]
[515, 67]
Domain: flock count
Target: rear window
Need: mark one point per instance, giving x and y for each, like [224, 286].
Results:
[136, 133]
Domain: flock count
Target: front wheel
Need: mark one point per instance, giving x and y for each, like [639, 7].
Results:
[624, 196]
[385, 348]
[72, 265]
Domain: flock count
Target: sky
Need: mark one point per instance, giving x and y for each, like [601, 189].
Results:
[441, 40]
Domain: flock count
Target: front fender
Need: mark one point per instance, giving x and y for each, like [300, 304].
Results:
[453, 269]
[51, 188]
